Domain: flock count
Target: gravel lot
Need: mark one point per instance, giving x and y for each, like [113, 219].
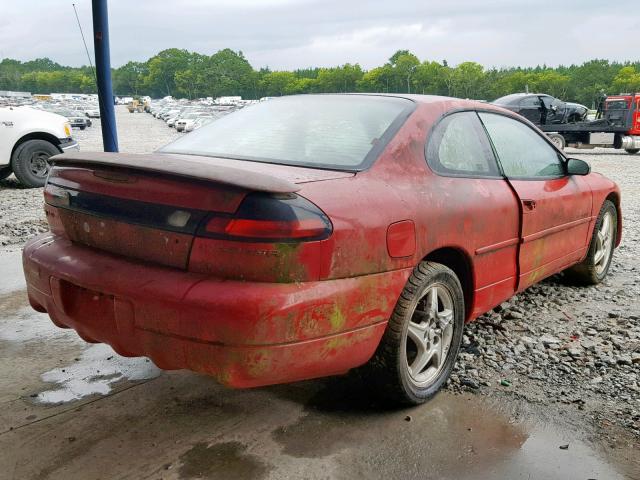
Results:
[574, 349]
[21, 215]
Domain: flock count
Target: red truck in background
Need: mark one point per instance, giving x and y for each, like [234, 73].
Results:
[618, 128]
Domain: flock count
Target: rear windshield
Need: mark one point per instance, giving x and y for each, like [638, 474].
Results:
[338, 132]
[617, 105]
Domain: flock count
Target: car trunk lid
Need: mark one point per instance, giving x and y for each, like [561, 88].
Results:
[150, 207]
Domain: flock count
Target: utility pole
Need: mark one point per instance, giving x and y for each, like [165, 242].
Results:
[103, 74]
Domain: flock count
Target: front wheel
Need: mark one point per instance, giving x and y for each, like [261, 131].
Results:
[595, 266]
[419, 348]
[30, 162]
[632, 151]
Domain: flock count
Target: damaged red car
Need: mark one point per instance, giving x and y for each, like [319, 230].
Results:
[309, 235]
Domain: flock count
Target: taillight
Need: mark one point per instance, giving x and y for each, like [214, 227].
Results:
[56, 196]
[272, 218]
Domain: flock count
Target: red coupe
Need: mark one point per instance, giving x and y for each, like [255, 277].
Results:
[309, 235]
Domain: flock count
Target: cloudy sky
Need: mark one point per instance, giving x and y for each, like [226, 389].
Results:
[288, 34]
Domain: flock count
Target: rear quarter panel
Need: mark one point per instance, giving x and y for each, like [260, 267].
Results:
[603, 188]
[462, 213]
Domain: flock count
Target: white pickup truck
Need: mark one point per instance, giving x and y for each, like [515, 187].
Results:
[28, 137]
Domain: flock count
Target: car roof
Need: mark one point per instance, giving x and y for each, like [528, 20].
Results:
[421, 99]
[514, 97]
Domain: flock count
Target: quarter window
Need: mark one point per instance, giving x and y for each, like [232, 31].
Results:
[458, 145]
[522, 152]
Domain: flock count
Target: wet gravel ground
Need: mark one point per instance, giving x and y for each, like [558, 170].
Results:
[21, 215]
[554, 344]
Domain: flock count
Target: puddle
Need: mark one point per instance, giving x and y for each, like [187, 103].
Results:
[21, 324]
[11, 269]
[453, 436]
[222, 460]
[96, 371]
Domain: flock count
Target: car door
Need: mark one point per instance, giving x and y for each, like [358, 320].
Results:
[556, 109]
[9, 134]
[530, 108]
[471, 205]
[555, 208]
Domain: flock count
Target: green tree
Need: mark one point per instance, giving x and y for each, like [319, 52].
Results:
[627, 80]
[428, 78]
[550, 82]
[276, 84]
[467, 80]
[160, 79]
[129, 78]
[339, 79]
[402, 67]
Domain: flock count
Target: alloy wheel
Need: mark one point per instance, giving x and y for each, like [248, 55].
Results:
[427, 342]
[604, 243]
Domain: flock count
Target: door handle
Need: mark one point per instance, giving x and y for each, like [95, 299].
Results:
[529, 205]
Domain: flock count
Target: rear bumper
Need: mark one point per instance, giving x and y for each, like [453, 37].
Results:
[245, 334]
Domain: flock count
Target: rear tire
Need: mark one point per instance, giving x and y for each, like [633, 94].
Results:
[419, 347]
[593, 269]
[632, 151]
[558, 140]
[30, 162]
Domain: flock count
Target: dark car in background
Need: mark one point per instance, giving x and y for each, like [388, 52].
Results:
[543, 109]
[76, 119]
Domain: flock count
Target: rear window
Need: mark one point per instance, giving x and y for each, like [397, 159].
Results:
[342, 132]
[617, 105]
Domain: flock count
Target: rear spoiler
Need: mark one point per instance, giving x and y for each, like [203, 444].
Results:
[188, 166]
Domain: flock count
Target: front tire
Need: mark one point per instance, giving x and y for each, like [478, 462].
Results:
[419, 347]
[30, 162]
[595, 266]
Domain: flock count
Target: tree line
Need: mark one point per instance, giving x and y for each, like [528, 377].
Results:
[181, 73]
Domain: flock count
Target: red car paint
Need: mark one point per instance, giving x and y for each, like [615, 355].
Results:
[257, 313]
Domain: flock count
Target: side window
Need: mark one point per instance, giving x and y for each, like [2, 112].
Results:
[548, 101]
[458, 145]
[522, 152]
[530, 102]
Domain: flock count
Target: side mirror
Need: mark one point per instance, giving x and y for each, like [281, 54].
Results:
[578, 167]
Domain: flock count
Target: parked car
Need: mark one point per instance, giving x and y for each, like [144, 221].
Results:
[76, 119]
[185, 122]
[542, 109]
[198, 122]
[309, 235]
[28, 137]
[92, 112]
